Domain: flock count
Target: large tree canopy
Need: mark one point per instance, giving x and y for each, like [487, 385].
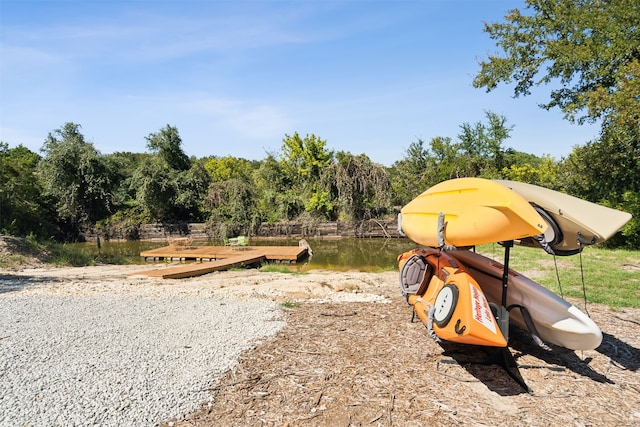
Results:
[22, 209]
[590, 47]
[75, 176]
[168, 144]
[168, 185]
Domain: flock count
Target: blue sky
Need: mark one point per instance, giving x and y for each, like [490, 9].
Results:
[236, 76]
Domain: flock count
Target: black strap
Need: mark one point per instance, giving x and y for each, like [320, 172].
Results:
[530, 326]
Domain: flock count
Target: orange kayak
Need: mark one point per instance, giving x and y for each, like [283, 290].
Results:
[447, 299]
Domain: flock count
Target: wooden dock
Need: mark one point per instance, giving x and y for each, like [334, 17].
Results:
[209, 253]
[200, 268]
[216, 258]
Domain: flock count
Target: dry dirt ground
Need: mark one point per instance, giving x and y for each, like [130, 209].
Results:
[362, 364]
[350, 356]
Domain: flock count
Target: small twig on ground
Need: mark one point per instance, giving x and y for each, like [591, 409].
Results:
[376, 419]
[354, 313]
[390, 407]
[313, 353]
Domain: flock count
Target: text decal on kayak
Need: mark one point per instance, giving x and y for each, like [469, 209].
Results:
[481, 310]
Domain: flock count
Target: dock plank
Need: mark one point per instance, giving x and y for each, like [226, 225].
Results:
[271, 253]
[198, 269]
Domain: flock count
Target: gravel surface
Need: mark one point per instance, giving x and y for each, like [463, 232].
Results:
[119, 359]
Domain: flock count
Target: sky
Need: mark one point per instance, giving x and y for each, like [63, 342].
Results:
[236, 77]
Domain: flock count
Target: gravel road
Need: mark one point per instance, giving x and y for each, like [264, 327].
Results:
[119, 359]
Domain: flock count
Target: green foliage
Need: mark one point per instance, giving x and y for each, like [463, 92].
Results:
[411, 174]
[65, 254]
[320, 203]
[482, 146]
[192, 186]
[228, 167]
[167, 184]
[75, 176]
[630, 232]
[360, 187]
[125, 222]
[155, 188]
[479, 151]
[279, 268]
[305, 157]
[231, 204]
[22, 209]
[168, 145]
[290, 304]
[278, 198]
[305, 182]
[590, 47]
[121, 167]
[542, 171]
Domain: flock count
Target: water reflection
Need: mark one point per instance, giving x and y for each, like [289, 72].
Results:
[333, 254]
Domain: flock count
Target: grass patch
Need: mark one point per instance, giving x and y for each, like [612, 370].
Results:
[290, 304]
[64, 254]
[67, 255]
[279, 268]
[24, 251]
[611, 277]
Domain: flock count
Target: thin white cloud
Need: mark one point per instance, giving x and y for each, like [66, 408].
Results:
[148, 36]
[249, 119]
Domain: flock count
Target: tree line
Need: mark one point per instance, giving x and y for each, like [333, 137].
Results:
[588, 49]
[72, 186]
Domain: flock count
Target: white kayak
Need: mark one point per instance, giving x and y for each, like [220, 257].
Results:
[573, 222]
[556, 320]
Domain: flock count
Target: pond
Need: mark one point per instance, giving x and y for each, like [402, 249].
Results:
[342, 254]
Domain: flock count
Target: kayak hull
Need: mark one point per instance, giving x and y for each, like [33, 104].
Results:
[572, 222]
[556, 320]
[476, 211]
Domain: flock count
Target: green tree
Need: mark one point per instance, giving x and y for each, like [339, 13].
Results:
[412, 174]
[277, 196]
[231, 204]
[303, 160]
[75, 176]
[168, 185]
[122, 166]
[482, 145]
[361, 189]
[228, 167]
[591, 48]
[168, 145]
[306, 156]
[23, 210]
[192, 186]
[155, 188]
[543, 171]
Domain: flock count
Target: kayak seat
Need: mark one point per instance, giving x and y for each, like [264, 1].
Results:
[415, 276]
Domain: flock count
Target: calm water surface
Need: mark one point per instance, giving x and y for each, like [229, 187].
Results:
[333, 254]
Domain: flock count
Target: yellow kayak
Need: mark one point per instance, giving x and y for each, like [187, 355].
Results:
[475, 211]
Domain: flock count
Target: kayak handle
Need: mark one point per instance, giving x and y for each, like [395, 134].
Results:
[584, 242]
[458, 329]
